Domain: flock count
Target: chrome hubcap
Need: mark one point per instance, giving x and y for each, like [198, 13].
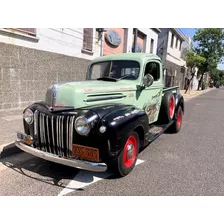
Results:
[130, 151]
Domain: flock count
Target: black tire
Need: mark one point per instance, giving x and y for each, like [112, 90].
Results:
[122, 166]
[165, 115]
[176, 126]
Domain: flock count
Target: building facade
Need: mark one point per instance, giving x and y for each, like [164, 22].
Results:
[33, 59]
[170, 50]
[121, 40]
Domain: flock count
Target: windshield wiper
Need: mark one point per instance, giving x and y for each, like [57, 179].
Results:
[107, 79]
[127, 76]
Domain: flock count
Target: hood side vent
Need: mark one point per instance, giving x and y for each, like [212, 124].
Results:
[92, 98]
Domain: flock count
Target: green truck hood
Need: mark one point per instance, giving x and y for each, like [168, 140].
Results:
[83, 93]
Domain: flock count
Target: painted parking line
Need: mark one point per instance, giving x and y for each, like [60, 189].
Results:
[85, 178]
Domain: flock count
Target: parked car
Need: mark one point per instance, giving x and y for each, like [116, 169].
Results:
[101, 123]
[217, 85]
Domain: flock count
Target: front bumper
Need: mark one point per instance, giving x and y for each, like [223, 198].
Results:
[84, 165]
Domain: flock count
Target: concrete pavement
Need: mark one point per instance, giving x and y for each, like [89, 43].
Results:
[187, 163]
[10, 123]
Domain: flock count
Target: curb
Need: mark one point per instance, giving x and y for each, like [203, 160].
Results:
[8, 149]
[196, 95]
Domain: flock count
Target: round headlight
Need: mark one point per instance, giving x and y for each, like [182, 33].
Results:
[28, 116]
[82, 126]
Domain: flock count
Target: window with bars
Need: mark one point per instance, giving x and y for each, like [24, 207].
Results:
[88, 39]
[27, 31]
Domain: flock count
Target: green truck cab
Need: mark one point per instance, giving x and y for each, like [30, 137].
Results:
[102, 123]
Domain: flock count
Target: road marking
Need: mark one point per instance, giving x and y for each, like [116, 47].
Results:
[85, 178]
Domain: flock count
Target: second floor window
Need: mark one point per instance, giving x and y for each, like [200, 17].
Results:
[176, 42]
[180, 45]
[27, 31]
[88, 39]
[172, 40]
[151, 46]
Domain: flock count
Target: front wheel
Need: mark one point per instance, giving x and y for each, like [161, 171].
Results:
[126, 161]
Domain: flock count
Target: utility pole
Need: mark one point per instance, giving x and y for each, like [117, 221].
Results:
[135, 40]
[101, 44]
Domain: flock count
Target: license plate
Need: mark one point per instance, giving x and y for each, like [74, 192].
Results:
[85, 152]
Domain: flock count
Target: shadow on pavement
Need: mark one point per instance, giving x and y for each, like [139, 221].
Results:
[40, 170]
[9, 150]
[50, 173]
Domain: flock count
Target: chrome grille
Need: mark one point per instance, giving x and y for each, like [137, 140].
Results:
[54, 133]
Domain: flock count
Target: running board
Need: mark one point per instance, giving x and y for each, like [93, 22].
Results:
[156, 130]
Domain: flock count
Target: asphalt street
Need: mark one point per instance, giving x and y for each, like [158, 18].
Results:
[188, 163]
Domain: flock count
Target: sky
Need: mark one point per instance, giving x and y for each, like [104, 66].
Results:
[190, 32]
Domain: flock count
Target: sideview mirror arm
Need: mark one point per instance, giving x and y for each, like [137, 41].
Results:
[140, 87]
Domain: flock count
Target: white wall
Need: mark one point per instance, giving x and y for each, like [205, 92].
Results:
[68, 41]
[129, 40]
[173, 53]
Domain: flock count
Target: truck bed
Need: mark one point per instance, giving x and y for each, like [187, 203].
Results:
[175, 89]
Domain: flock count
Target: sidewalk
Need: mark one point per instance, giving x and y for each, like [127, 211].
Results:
[194, 93]
[10, 123]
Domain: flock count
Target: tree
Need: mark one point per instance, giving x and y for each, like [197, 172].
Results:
[217, 76]
[210, 46]
[193, 61]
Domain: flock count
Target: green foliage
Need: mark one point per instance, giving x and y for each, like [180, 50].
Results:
[210, 46]
[193, 59]
[217, 76]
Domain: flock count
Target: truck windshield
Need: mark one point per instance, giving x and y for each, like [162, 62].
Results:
[114, 70]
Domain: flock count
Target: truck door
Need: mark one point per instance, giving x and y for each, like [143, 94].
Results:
[150, 98]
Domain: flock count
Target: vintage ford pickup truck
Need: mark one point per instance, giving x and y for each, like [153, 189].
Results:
[102, 123]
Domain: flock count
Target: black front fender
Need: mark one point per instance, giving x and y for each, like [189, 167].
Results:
[120, 122]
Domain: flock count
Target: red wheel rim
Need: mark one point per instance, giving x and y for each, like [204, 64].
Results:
[130, 151]
[171, 106]
[179, 118]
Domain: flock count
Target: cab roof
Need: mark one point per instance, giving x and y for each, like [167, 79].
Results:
[127, 56]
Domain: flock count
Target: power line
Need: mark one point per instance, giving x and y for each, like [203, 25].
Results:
[186, 35]
[183, 32]
[67, 43]
[73, 35]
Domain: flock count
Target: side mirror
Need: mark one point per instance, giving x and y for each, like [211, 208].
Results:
[148, 80]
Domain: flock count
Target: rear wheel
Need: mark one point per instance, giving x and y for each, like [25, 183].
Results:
[167, 108]
[126, 161]
[176, 126]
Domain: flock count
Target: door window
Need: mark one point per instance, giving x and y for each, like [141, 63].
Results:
[153, 68]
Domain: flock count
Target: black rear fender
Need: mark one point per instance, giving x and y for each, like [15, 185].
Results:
[179, 102]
